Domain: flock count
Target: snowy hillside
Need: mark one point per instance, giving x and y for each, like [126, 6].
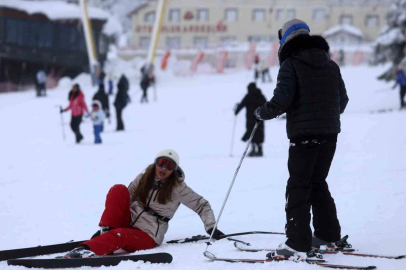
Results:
[53, 191]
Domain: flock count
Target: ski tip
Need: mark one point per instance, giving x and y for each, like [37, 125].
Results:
[209, 255]
[400, 257]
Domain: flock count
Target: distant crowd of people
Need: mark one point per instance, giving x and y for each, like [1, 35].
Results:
[100, 107]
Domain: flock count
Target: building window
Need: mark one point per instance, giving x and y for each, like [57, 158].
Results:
[46, 34]
[149, 17]
[280, 14]
[372, 21]
[200, 42]
[172, 43]
[203, 15]
[291, 14]
[227, 40]
[231, 15]
[258, 15]
[346, 19]
[11, 31]
[174, 15]
[144, 42]
[319, 14]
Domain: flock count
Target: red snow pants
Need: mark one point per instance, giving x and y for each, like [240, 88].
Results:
[117, 215]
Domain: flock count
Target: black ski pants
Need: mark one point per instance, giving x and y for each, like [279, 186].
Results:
[120, 124]
[307, 188]
[402, 96]
[74, 124]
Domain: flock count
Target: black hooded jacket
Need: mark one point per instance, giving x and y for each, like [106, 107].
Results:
[251, 101]
[103, 98]
[309, 88]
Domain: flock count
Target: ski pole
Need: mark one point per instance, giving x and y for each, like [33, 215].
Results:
[232, 136]
[63, 129]
[231, 186]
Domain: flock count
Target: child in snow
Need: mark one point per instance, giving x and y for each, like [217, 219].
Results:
[98, 117]
[136, 217]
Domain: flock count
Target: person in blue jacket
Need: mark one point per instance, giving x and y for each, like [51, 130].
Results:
[401, 80]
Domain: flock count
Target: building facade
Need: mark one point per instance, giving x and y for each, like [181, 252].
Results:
[201, 24]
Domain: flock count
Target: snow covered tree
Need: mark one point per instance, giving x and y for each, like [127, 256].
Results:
[391, 43]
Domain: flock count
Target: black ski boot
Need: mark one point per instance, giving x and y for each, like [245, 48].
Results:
[80, 252]
[259, 152]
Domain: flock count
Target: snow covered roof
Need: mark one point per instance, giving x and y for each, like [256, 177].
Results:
[344, 28]
[57, 10]
[54, 10]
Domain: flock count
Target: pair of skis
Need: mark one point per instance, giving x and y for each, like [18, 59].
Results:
[272, 257]
[14, 256]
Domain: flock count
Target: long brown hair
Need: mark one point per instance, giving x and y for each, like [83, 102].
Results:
[147, 182]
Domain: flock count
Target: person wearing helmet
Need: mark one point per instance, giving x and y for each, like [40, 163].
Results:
[98, 117]
[137, 217]
[311, 91]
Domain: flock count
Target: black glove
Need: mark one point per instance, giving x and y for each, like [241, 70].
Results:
[108, 114]
[217, 233]
[261, 113]
[62, 110]
[235, 108]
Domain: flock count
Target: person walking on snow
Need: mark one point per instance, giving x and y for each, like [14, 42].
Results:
[137, 217]
[41, 83]
[147, 78]
[98, 117]
[311, 91]
[251, 101]
[77, 106]
[264, 67]
[401, 80]
[121, 101]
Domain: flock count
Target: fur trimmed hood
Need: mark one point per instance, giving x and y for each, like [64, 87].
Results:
[313, 50]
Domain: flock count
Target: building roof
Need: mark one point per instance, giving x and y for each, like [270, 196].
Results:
[135, 10]
[345, 29]
[54, 10]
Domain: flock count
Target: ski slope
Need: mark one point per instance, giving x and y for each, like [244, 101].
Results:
[53, 191]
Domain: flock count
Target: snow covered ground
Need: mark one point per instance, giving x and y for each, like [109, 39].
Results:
[53, 191]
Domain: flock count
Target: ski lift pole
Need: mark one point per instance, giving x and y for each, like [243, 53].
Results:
[91, 49]
[155, 38]
[231, 186]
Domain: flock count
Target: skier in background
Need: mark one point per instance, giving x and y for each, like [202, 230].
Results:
[251, 101]
[101, 96]
[311, 91]
[100, 79]
[147, 78]
[256, 67]
[77, 106]
[121, 101]
[110, 82]
[98, 117]
[136, 218]
[401, 80]
[41, 83]
[264, 67]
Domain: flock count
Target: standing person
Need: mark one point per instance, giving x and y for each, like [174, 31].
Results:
[311, 91]
[251, 101]
[137, 217]
[147, 78]
[77, 105]
[401, 80]
[341, 58]
[110, 82]
[121, 101]
[256, 67]
[264, 67]
[100, 79]
[101, 96]
[98, 117]
[41, 81]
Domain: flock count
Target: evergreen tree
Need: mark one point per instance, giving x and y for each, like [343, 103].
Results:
[391, 43]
